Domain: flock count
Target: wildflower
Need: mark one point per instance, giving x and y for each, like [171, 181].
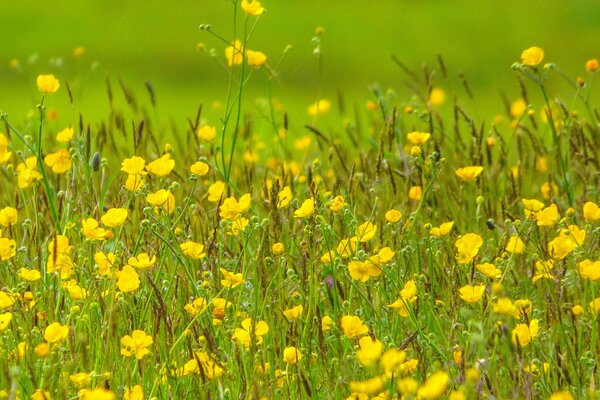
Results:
[368, 387]
[408, 386]
[337, 204]
[114, 217]
[277, 248]
[4, 153]
[489, 270]
[136, 345]
[90, 229]
[199, 168]
[8, 216]
[134, 165]
[589, 269]
[104, 262]
[134, 393]
[595, 305]
[234, 53]
[532, 56]
[523, 334]
[192, 250]
[195, 306]
[255, 58]
[591, 211]
[472, 294]
[326, 323]
[392, 216]
[577, 310]
[542, 270]
[142, 261]
[294, 313]
[134, 182]
[231, 208]
[515, 245]
[8, 249]
[162, 198]
[238, 226]
[548, 190]
[469, 174]
[210, 369]
[562, 395]
[353, 326]
[215, 191]
[306, 209]
[28, 173]
[418, 138]
[60, 162]
[434, 386]
[548, 216]
[252, 8]
[320, 107]
[408, 295]
[56, 332]
[29, 275]
[284, 197]
[65, 135]
[161, 166]
[47, 84]
[567, 241]
[415, 193]
[467, 247]
[250, 329]
[128, 279]
[362, 271]
[592, 65]
[291, 355]
[231, 279]
[370, 351]
[436, 96]
[5, 319]
[366, 232]
[442, 230]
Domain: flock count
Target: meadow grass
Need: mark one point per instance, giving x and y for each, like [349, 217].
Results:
[395, 251]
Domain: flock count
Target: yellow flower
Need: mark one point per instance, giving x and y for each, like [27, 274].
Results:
[47, 84]
[532, 56]
[90, 229]
[562, 395]
[195, 306]
[306, 209]
[252, 8]
[469, 174]
[548, 216]
[134, 165]
[8, 216]
[591, 211]
[415, 193]
[114, 217]
[210, 369]
[234, 53]
[366, 232]
[29, 275]
[134, 182]
[5, 319]
[436, 96]
[135, 393]
[595, 306]
[505, 306]
[471, 294]
[136, 345]
[163, 199]
[65, 135]
[567, 241]
[518, 108]
[250, 330]
[215, 191]
[392, 216]
[294, 313]
[362, 271]
[467, 247]
[277, 248]
[418, 138]
[192, 250]
[41, 394]
[81, 379]
[442, 230]
[128, 280]
[577, 310]
[60, 162]
[515, 245]
[231, 208]
[8, 249]
[255, 58]
[207, 132]
[291, 355]
[434, 386]
[4, 153]
[231, 279]
[589, 269]
[104, 262]
[161, 166]
[353, 326]
[523, 334]
[56, 332]
[337, 204]
[592, 65]
[489, 270]
[370, 351]
[408, 386]
[542, 270]
[28, 173]
[408, 295]
[548, 190]
[238, 226]
[368, 387]
[199, 168]
[320, 107]
[142, 261]
[326, 323]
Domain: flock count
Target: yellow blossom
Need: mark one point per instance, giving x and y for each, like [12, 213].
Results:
[114, 217]
[418, 138]
[591, 211]
[489, 270]
[215, 191]
[548, 216]
[392, 216]
[294, 313]
[163, 199]
[134, 393]
[523, 334]
[277, 248]
[136, 345]
[366, 232]
[306, 209]
[8, 216]
[142, 261]
[442, 230]
[250, 331]
[368, 387]
[337, 204]
[532, 56]
[434, 386]
[65, 135]
[291, 355]
[415, 193]
[353, 326]
[589, 269]
[133, 166]
[234, 53]
[56, 332]
[231, 279]
[515, 245]
[128, 279]
[29, 275]
[320, 107]
[192, 250]
[252, 8]
[199, 168]
[91, 230]
[471, 293]
[255, 58]
[467, 247]
[469, 174]
[370, 351]
[161, 166]
[284, 197]
[60, 162]
[47, 84]
[5, 319]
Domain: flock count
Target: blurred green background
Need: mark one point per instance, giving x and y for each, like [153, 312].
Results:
[157, 41]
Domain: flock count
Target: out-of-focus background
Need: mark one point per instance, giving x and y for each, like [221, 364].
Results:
[159, 42]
